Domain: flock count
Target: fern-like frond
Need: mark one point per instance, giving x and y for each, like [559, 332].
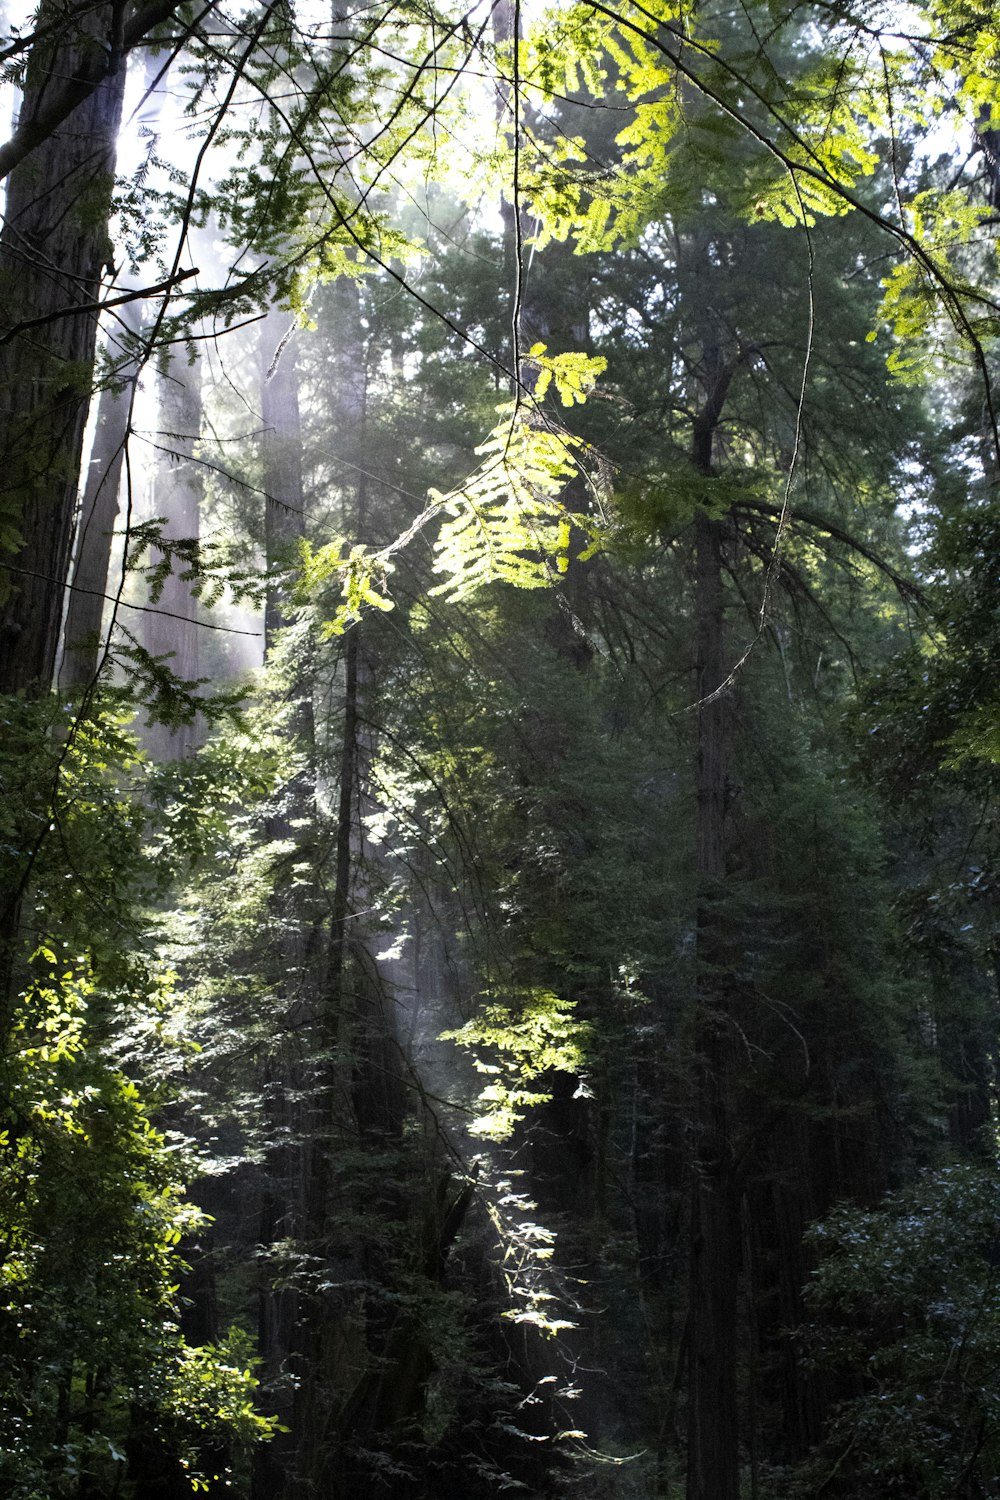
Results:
[508, 522]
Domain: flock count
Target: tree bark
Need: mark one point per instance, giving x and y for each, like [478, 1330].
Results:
[284, 1320]
[84, 71]
[53, 249]
[96, 524]
[284, 518]
[713, 1438]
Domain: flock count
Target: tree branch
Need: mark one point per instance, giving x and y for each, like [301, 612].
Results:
[905, 587]
[96, 307]
[33, 129]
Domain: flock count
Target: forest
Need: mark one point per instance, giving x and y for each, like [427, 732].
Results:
[499, 744]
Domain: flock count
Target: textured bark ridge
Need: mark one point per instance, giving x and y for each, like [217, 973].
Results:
[53, 250]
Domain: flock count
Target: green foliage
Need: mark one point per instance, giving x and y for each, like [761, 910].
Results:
[361, 574]
[508, 523]
[91, 1213]
[704, 110]
[212, 569]
[294, 181]
[507, 800]
[574, 375]
[905, 1302]
[70, 825]
[95, 1370]
[515, 1045]
[925, 328]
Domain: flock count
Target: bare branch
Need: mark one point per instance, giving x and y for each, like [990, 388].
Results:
[96, 307]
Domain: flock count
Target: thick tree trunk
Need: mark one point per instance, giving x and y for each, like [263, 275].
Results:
[53, 250]
[327, 1328]
[283, 1333]
[87, 69]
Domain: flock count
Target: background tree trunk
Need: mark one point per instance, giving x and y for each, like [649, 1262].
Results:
[96, 524]
[713, 1449]
[177, 491]
[713, 1439]
[284, 516]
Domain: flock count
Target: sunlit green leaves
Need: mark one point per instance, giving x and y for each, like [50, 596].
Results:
[515, 1044]
[574, 375]
[508, 522]
[927, 326]
[91, 1215]
[360, 574]
[696, 96]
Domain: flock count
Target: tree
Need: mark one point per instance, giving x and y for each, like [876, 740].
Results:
[552, 758]
[53, 250]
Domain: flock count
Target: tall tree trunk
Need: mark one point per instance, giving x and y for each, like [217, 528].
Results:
[53, 250]
[284, 518]
[528, 315]
[713, 1439]
[713, 1472]
[283, 1343]
[327, 1329]
[172, 630]
[96, 524]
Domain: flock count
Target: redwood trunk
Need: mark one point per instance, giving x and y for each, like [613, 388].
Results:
[53, 250]
[281, 451]
[714, 1264]
[285, 1335]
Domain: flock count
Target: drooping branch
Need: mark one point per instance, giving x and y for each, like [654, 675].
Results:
[905, 587]
[143, 609]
